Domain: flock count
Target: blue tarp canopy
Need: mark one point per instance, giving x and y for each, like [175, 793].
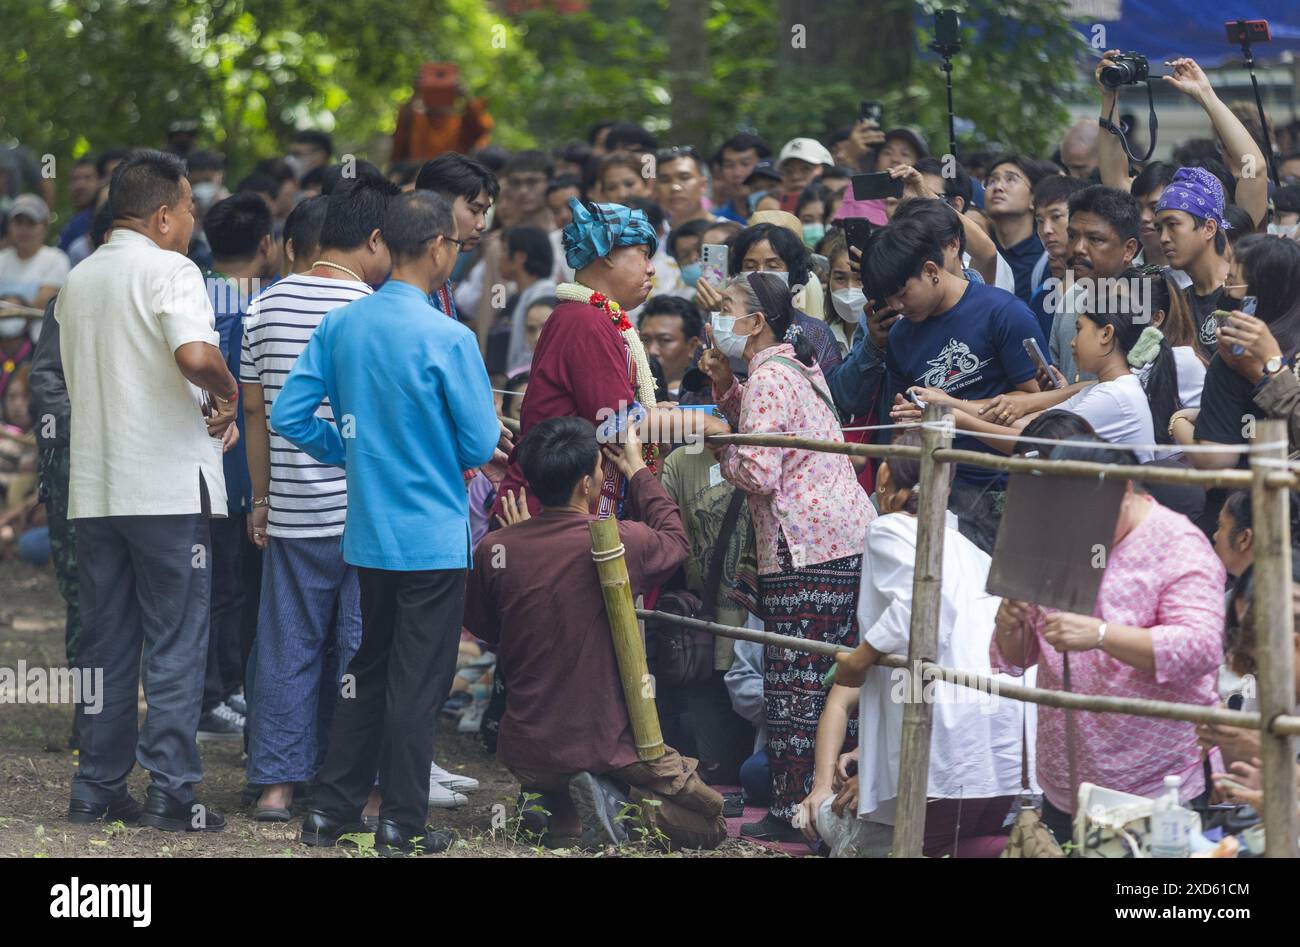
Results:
[1165, 29]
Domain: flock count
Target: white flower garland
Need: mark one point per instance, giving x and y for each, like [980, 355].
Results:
[645, 383]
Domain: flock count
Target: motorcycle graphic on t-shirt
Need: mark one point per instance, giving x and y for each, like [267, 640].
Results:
[954, 363]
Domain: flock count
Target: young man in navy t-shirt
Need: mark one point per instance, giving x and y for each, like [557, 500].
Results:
[965, 338]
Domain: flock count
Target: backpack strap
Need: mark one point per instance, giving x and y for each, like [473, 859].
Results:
[713, 581]
[826, 398]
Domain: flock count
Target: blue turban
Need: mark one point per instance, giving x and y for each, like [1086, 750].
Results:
[592, 236]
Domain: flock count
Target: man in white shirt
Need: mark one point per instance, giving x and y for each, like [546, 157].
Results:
[141, 358]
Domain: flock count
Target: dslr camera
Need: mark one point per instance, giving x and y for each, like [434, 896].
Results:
[1125, 69]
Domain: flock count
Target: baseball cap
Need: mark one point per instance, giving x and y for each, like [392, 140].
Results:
[806, 149]
[912, 137]
[764, 170]
[29, 205]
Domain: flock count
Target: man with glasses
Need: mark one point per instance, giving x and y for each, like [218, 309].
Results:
[1009, 204]
[525, 176]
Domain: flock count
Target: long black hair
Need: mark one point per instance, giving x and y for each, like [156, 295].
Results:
[1161, 384]
[1272, 270]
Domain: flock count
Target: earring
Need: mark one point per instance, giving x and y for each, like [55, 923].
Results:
[934, 280]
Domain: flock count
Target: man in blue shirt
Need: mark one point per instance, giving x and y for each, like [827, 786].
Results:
[413, 410]
[965, 338]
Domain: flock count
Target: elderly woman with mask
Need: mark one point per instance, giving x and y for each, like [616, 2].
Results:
[810, 519]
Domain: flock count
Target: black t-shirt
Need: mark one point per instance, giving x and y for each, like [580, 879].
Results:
[1202, 309]
[1226, 407]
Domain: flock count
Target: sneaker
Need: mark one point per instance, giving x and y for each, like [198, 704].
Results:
[599, 803]
[472, 718]
[221, 723]
[237, 703]
[440, 797]
[453, 781]
[455, 705]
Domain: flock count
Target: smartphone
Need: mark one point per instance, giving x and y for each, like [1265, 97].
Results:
[869, 110]
[713, 264]
[857, 231]
[947, 29]
[1035, 353]
[1247, 31]
[877, 186]
[613, 426]
[1221, 317]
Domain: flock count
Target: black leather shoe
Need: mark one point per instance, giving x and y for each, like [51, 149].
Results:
[161, 811]
[392, 841]
[321, 829]
[125, 810]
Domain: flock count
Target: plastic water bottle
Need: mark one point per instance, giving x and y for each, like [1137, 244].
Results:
[1170, 834]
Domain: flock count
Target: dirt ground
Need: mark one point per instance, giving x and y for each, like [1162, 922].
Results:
[36, 769]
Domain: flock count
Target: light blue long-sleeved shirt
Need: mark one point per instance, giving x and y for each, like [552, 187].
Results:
[413, 409]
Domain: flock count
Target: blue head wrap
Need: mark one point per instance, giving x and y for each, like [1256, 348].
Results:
[1198, 192]
[592, 236]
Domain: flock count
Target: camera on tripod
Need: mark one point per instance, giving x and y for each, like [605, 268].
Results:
[1125, 69]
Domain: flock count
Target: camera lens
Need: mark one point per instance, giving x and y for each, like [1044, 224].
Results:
[1114, 76]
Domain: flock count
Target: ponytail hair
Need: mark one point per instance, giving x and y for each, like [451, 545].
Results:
[1143, 345]
[768, 294]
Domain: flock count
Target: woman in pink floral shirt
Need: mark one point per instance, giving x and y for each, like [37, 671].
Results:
[810, 520]
[1156, 632]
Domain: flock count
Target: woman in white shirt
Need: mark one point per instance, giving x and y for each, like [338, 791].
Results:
[977, 739]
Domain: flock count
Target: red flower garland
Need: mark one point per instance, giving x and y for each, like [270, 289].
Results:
[616, 314]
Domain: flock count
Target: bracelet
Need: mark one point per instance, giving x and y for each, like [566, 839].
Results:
[1174, 420]
[1101, 636]
[262, 501]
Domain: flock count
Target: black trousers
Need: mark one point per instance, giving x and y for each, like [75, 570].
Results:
[224, 674]
[410, 632]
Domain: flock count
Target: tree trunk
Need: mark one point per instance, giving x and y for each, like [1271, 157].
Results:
[688, 45]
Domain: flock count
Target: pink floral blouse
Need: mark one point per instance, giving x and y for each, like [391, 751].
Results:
[1164, 576]
[812, 499]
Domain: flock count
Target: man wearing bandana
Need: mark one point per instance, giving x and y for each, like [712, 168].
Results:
[589, 361]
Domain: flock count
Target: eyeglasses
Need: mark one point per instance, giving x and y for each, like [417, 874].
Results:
[523, 183]
[1006, 180]
[433, 236]
[677, 151]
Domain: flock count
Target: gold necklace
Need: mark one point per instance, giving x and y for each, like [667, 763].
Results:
[338, 266]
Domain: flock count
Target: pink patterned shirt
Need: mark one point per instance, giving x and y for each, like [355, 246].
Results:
[1163, 576]
[811, 498]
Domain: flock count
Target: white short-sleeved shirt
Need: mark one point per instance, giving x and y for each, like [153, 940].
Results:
[1191, 375]
[978, 738]
[48, 266]
[140, 446]
[1118, 411]
[308, 499]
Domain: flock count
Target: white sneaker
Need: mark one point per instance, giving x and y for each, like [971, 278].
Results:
[472, 718]
[453, 781]
[440, 797]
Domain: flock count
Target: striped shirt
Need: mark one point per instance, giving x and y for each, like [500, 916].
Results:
[308, 499]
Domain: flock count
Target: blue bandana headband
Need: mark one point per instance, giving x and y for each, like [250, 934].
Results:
[1198, 192]
[592, 236]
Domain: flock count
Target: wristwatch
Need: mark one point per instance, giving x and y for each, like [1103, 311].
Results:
[1274, 365]
[262, 501]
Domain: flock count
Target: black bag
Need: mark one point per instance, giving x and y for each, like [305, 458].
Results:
[682, 655]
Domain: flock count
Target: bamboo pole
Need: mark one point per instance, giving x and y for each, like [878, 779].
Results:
[923, 638]
[638, 685]
[1066, 700]
[1275, 648]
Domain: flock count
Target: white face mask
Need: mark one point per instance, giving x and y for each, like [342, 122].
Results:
[12, 327]
[1283, 230]
[849, 304]
[728, 342]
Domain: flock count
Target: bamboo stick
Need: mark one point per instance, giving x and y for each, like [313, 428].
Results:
[1096, 703]
[923, 637]
[638, 685]
[1275, 649]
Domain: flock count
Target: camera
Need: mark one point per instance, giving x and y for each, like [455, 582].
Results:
[1125, 69]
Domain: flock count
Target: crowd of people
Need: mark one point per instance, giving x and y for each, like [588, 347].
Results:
[260, 436]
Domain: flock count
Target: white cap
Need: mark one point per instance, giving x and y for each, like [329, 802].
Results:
[806, 149]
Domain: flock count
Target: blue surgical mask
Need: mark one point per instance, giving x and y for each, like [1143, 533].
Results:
[691, 273]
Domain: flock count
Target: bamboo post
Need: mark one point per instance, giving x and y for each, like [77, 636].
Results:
[1274, 646]
[638, 685]
[923, 645]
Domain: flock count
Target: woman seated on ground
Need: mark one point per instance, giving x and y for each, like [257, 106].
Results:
[810, 519]
[1156, 632]
[1120, 407]
[977, 740]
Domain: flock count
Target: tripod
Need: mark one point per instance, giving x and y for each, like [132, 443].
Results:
[1249, 57]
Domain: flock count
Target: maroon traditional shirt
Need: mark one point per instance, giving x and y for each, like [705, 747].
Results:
[534, 596]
